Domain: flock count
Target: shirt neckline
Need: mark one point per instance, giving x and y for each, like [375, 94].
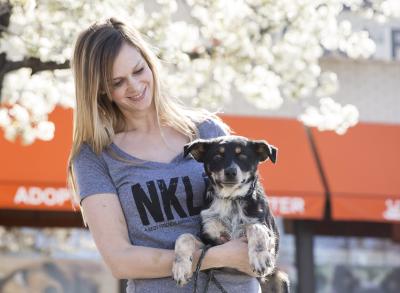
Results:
[179, 157]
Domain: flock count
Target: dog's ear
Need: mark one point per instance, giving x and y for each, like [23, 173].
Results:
[265, 150]
[196, 148]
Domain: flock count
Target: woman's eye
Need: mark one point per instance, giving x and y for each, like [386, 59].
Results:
[116, 84]
[138, 71]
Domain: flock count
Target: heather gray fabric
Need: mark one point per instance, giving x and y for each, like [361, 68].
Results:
[160, 201]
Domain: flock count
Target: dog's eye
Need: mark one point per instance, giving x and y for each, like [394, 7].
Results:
[242, 157]
[217, 157]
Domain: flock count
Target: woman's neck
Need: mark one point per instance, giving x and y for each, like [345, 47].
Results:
[143, 122]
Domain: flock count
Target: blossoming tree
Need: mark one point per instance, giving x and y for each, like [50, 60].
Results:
[264, 50]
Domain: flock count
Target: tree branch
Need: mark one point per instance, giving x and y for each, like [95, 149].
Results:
[35, 64]
[5, 14]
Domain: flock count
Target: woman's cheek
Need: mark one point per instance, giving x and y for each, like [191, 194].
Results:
[118, 93]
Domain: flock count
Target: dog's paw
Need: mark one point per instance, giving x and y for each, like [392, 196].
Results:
[262, 254]
[182, 270]
[262, 262]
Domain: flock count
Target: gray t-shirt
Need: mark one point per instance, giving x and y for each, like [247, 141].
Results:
[160, 201]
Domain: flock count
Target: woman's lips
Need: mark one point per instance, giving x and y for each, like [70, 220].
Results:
[138, 98]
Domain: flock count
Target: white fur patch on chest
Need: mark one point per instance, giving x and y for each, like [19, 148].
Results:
[233, 192]
[230, 214]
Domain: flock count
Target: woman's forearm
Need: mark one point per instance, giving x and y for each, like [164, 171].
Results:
[139, 262]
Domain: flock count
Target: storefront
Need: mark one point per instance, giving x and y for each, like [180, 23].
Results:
[338, 198]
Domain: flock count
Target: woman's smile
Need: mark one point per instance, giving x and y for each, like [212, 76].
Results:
[138, 97]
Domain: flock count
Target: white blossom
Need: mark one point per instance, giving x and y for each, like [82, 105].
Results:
[328, 84]
[391, 8]
[261, 88]
[268, 51]
[20, 114]
[186, 37]
[330, 116]
[28, 135]
[45, 130]
[5, 119]
[10, 132]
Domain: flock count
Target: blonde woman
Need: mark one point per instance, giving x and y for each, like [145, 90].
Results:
[137, 191]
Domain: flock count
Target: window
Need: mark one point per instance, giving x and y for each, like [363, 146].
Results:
[396, 44]
[354, 264]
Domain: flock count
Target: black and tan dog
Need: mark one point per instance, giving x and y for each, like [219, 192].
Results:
[238, 206]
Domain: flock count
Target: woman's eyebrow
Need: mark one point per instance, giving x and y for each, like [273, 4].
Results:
[134, 68]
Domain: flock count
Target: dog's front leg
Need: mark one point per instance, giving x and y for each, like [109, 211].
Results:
[185, 246]
[214, 232]
[261, 242]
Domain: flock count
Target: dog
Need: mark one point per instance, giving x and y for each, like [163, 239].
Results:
[237, 206]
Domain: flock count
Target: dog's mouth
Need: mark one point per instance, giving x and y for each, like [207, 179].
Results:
[226, 183]
[230, 183]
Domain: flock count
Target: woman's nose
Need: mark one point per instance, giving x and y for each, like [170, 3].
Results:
[133, 83]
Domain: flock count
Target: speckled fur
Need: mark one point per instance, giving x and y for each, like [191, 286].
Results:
[238, 209]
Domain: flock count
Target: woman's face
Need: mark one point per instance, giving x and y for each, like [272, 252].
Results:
[132, 81]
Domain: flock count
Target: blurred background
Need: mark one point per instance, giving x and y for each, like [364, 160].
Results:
[319, 79]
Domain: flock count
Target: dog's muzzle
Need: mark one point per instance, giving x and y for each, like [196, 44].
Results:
[230, 174]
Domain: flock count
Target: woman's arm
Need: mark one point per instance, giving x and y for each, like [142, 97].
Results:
[107, 225]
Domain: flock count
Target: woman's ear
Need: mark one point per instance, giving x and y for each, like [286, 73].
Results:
[197, 149]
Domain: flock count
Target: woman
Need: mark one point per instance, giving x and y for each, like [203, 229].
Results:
[137, 191]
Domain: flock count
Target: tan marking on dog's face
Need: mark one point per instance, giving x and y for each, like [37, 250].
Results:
[221, 149]
[238, 150]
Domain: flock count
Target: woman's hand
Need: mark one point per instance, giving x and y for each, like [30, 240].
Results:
[234, 254]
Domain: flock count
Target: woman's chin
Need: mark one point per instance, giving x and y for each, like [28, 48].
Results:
[144, 105]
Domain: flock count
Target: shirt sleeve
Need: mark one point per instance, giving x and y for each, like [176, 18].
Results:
[211, 128]
[91, 174]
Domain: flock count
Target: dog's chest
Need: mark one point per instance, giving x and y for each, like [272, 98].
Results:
[230, 214]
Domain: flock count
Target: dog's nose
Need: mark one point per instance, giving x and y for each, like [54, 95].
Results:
[230, 172]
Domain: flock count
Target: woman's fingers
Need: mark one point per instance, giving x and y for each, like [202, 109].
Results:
[243, 238]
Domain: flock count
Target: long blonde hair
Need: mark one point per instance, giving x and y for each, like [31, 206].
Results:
[96, 118]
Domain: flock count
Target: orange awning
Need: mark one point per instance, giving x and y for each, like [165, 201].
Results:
[34, 177]
[362, 169]
[293, 184]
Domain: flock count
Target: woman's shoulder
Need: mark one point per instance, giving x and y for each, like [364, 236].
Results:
[86, 155]
[212, 126]
[85, 150]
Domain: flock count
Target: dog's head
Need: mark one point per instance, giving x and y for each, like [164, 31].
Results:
[231, 161]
